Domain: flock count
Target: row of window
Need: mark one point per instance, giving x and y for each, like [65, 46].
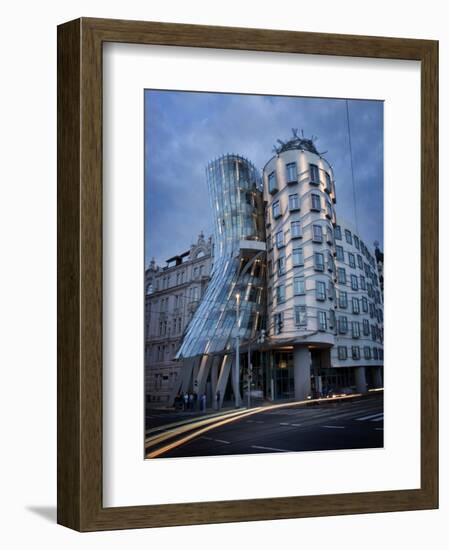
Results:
[368, 352]
[353, 239]
[175, 328]
[294, 205]
[326, 320]
[291, 174]
[318, 234]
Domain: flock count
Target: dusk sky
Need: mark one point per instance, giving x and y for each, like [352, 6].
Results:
[185, 130]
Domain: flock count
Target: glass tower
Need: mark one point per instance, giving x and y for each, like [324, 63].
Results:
[233, 302]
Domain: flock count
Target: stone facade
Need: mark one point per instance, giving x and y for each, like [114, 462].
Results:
[173, 293]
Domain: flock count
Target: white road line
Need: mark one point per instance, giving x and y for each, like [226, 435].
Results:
[270, 449]
[284, 424]
[369, 417]
[336, 427]
[296, 425]
[380, 419]
[221, 441]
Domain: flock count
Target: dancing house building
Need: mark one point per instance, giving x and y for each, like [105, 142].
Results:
[293, 306]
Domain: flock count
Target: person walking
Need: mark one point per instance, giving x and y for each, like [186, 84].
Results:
[186, 400]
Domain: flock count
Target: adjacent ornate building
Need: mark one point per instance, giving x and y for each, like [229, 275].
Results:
[173, 293]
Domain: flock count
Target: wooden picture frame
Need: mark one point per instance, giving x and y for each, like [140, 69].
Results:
[80, 504]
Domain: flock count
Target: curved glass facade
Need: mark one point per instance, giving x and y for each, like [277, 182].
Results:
[238, 272]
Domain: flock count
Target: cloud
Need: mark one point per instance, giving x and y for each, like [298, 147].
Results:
[186, 130]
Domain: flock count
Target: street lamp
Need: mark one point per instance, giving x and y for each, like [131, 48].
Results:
[237, 355]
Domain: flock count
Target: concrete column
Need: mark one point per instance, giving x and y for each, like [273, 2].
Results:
[360, 379]
[214, 379]
[225, 370]
[378, 383]
[302, 362]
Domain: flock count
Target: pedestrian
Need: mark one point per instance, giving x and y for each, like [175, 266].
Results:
[186, 400]
[190, 401]
[203, 402]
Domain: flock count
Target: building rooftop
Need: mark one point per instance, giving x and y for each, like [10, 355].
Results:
[296, 142]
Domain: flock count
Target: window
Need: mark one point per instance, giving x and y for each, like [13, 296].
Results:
[381, 353]
[329, 212]
[331, 290]
[360, 261]
[293, 202]
[317, 234]
[280, 294]
[354, 282]
[340, 253]
[367, 352]
[330, 262]
[298, 285]
[322, 320]
[278, 323]
[351, 260]
[365, 327]
[280, 239]
[298, 257]
[342, 353]
[375, 353]
[295, 230]
[341, 275]
[338, 232]
[316, 202]
[292, 174]
[320, 290]
[362, 282]
[269, 242]
[281, 265]
[276, 209]
[343, 299]
[300, 316]
[348, 236]
[314, 174]
[328, 182]
[318, 259]
[342, 324]
[355, 352]
[355, 325]
[364, 304]
[355, 305]
[356, 242]
[272, 184]
[329, 236]
[331, 319]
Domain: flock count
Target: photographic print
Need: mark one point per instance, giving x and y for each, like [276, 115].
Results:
[263, 274]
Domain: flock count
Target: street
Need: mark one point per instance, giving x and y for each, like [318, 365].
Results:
[329, 425]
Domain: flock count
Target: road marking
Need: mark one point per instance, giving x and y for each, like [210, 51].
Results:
[369, 417]
[284, 424]
[380, 419]
[336, 427]
[221, 441]
[296, 425]
[270, 449]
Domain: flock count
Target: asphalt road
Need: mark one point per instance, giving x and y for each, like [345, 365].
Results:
[352, 424]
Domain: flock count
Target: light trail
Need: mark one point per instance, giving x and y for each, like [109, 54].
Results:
[231, 417]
